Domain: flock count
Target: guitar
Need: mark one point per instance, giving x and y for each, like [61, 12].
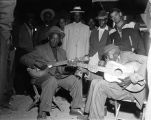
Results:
[39, 72]
[114, 71]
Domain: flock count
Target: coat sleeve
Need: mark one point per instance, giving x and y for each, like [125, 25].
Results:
[87, 47]
[142, 60]
[140, 49]
[91, 45]
[65, 39]
[108, 40]
[33, 58]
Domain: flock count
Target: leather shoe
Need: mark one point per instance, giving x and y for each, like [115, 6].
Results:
[76, 112]
[85, 117]
[42, 116]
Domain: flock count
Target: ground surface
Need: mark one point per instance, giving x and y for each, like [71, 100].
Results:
[21, 103]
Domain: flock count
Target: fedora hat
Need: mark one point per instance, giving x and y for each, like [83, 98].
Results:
[102, 15]
[54, 29]
[77, 9]
[51, 11]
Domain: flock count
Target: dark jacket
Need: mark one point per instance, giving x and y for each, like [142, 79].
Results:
[130, 38]
[95, 44]
[43, 55]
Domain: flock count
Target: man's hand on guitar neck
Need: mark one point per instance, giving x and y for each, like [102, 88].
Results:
[40, 66]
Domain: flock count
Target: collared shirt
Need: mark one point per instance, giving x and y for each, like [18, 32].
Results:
[101, 30]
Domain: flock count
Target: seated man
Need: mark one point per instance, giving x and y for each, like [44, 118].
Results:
[50, 79]
[100, 90]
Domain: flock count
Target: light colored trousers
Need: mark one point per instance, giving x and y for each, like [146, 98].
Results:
[99, 91]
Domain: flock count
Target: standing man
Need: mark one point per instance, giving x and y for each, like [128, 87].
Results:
[26, 33]
[91, 23]
[99, 38]
[125, 35]
[49, 81]
[76, 41]
[25, 45]
[47, 16]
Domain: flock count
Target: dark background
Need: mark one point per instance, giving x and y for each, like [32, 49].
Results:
[129, 7]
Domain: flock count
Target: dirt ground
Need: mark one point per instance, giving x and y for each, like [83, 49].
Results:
[21, 103]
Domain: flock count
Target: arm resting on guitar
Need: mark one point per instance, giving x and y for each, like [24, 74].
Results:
[30, 59]
[141, 72]
[35, 59]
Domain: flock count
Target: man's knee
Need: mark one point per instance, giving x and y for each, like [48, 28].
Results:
[76, 83]
[50, 81]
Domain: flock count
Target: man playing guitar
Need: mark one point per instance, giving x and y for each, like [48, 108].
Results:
[103, 89]
[44, 65]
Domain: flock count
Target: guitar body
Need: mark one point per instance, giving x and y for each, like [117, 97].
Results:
[123, 71]
[36, 72]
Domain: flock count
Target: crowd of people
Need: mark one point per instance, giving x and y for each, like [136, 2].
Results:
[51, 45]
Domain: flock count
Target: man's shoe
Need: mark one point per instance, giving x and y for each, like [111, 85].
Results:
[42, 116]
[85, 117]
[76, 112]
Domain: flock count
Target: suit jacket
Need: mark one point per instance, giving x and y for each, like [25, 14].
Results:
[126, 57]
[25, 38]
[43, 54]
[95, 44]
[76, 40]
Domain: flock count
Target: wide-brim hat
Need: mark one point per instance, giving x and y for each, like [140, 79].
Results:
[54, 29]
[109, 48]
[102, 15]
[77, 9]
[51, 11]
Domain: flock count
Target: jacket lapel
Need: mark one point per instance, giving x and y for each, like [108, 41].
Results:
[104, 36]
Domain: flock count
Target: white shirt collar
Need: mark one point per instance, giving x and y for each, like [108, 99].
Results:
[106, 28]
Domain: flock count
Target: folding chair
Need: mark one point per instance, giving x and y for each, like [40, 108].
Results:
[37, 100]
[117, 106]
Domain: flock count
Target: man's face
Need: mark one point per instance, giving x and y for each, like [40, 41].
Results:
[77, 17]
[91, 23]
[102, 22]
[47, 17]
[113, 54]
[62, 23]
[116, 16]
[54, 40]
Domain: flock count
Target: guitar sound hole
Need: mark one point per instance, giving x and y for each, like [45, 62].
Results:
[118, 71]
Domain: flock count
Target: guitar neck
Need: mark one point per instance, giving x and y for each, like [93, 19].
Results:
[98, 68]
[58, 64]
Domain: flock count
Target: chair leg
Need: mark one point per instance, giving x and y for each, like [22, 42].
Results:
[56, 104]
[143, 111]
[36, 99]
[117, 109]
